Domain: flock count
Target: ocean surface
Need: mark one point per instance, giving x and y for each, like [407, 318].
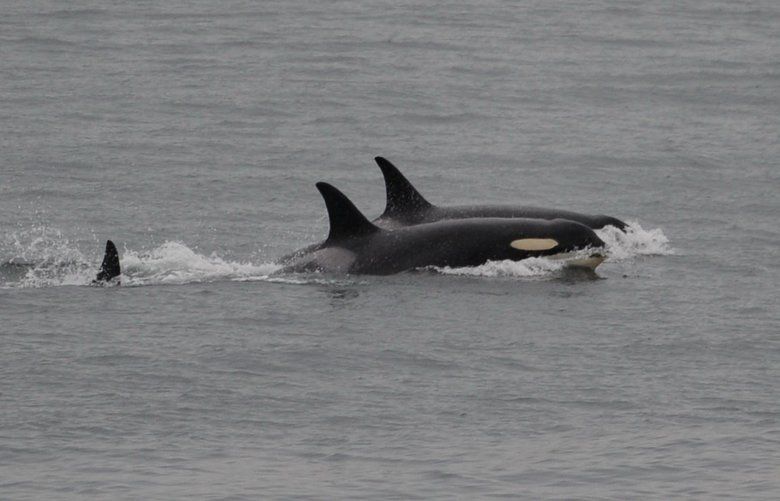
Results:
[191, 133]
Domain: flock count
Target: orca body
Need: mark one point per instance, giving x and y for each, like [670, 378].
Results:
[357, 246]
[109, 270]
[405, 207]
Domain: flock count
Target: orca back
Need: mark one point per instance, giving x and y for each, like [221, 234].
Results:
[404, 202]
[405, 206]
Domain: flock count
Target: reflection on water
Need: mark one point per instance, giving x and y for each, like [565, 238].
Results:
[341, 294]
[573, 274]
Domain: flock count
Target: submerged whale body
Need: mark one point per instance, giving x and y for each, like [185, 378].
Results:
[109, 269]
[405, 206]
[357, 246]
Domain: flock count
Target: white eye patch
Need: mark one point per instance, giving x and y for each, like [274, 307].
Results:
[534, 244]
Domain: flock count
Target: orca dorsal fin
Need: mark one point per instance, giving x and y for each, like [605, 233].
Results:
[345, 219]
[403, 199]
[110, 267]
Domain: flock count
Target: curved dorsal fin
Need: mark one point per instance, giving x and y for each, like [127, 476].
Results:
[402, 197]
[110, 267]
[345, 219]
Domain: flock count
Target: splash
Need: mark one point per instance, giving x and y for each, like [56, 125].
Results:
[534, 267]
[40, 256]
[636, 241]
[39, 244]
[44, 258]
[175, 263]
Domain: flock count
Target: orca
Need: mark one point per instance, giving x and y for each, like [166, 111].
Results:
[357, 246]
[109, 270]
[405, 206]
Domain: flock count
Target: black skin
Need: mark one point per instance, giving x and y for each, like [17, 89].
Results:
[110, 268]
[456, 243]
[433, 214]
[405, 206]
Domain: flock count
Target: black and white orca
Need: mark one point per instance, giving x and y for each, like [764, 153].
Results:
[357, 246]
[405, 207]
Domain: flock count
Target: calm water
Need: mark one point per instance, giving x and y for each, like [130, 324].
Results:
[192, 134]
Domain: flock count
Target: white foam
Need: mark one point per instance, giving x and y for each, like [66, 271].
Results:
[175, 263]
[49, 260]
[636, 241]
[40, 244]
[527, 268]
[46, 256]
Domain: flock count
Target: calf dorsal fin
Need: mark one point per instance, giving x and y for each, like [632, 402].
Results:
[403, 199]
[345, 219]
[110, 267]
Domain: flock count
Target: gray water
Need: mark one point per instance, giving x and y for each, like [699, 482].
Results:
[192, 133]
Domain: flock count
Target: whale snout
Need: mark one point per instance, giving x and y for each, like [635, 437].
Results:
[596, 242]
[600, 221]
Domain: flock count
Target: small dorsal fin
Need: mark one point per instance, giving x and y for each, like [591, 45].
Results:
[110, 267]
[345, 219]
[402, 197]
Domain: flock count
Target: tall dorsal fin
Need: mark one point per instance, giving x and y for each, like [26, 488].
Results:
[345, 219]
[110, 267]
[402, 197]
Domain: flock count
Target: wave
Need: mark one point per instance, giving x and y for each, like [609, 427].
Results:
[175, 263]
[636, 241]
[527, 268]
